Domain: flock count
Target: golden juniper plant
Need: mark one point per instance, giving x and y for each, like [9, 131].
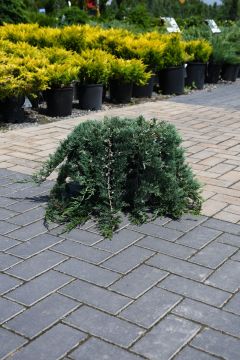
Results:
[119, 165]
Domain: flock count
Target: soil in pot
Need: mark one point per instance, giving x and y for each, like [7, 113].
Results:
[120, 92]
[141, 91]
[11, 110]
[195, 75]
[171, 80]
[230, 72]
[59, 101]
[213, 73]
[90, 96]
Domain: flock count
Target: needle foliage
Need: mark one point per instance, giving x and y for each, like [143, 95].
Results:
[120, 165]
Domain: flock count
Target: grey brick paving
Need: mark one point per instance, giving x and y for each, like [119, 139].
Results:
[138, 281]
[227, 277]
[89, 272]
[36, 265]
[127, 259]
[93, 348]
[165, 290]
[189, 353]
[34, 246]
[107, 327]
[52, 345]
[234, 304]
[166, 247]
[166, 338]
[10, 342]
[7, 243]
[198, 237]
[39, 317]
[195, 290]
[210, 316]
[213, 255]
[95, 296]
[8, 283]
[218, 344]
[8, 309]
[72, 248]
[38, 288]
[150, 307]
[158, 231]
[179, 267]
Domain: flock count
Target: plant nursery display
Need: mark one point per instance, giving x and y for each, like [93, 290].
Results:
[132, 166]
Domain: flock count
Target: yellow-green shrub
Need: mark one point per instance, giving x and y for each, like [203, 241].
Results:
[198, 50]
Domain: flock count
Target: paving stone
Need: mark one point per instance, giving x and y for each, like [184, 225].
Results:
[189, 353]
[156, 304]
[52, 345]
[236, 256]
[9, 342]
[234, 304]
[8, 283]
[120, 240]
[34, 246]
[218, 344]
[198, 237]
[213, 255]
[127, 259]
[179, 267]
[6, 227]
[28, 217]
[95, 296]
[23, 205]
[158, 231]
[38, 288]
[8, 309]
[227, 277]
[7, 260]
[6, 214]
[107, 327]
[29, 231]
[84, 237]
[138, 281]
[41, 316]
[186, 223]
[166, 247]
[36, 265]
[6, 202]
[223, 226]
[7, 243]
[104, 351]
[229, 239]
[166, 338]
[210, 316]
[85, 271]
[80, 251]
[195, 290]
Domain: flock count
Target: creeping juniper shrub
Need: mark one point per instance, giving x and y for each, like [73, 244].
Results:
[119, 165]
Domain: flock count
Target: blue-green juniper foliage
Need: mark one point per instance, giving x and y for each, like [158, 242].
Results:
[115, 166]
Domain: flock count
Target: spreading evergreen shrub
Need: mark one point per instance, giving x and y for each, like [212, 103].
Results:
[119, 165]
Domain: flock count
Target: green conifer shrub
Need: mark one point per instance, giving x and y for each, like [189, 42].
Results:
[119, 165]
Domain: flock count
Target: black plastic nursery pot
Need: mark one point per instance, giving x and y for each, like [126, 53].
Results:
[120, 92]
[171, 80]
[59, 101]
[90, 96]
[195, 75]
[213, 73]
[230, 72]
[11, 110]
[141, 91]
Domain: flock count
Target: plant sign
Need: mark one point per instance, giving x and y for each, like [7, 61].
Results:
[171, 24]
[213, 26]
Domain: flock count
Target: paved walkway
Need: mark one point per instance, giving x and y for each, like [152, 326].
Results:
[161, 291]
